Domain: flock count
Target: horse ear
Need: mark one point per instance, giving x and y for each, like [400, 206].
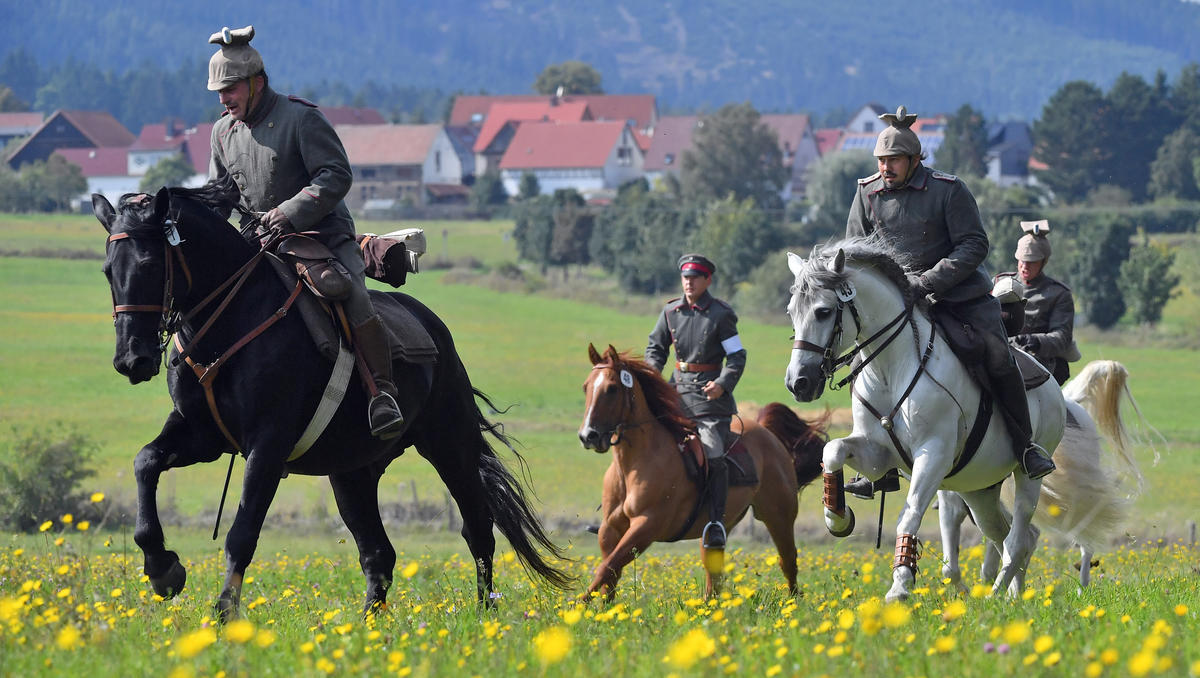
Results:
[795, 262]
[612, 354]
[162, 201]
[593, 354]
[838, 262]
[104, 211]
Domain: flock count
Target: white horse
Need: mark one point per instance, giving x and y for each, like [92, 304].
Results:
[1100, 387]
[915, 407]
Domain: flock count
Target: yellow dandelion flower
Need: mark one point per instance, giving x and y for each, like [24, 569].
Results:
[1141, 663]
[1016, 633]
[896, 615]
[1052, 659]
[63, 593]
[62, 569]
[239, 631]
[1093, 670]
[1030, 659]
[97, 497]
[836, 651]
[845, 619]
[680, 617]
[83, 525]
[194, 643]
[46, 526]
[980, 591]
[552, 644]
[1163, 664]
[773, 671]
[326, 666]
[954, 610]
[67, 518]
[691, 648]
[1196, 668]
[1125, 619]
[1027, 594]
[410, 570]
[1109, 657]
[68, 638]
[781, 652]
[944, 644]
[115, 593]
[1042, 644]
[167, 621]
[1181, 610]
[181, 671]
[573, 615]
[307, 647]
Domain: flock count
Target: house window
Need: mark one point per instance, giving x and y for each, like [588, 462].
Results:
[669, 159]
[368, 174]
[624, 156]
[868, 126]
[437, 161]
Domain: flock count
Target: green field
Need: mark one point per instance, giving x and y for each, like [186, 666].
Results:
[73, 600]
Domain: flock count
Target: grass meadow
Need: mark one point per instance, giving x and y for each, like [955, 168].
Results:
[73, 600]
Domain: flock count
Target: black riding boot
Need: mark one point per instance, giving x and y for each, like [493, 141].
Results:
[718, 486]
[1010, 391]
[383, 413]
[863, 488]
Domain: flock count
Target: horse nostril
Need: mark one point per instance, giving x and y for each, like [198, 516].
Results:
[799, 384]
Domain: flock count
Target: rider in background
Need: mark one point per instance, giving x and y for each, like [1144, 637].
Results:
[1049, 306]
[932, 217]
[704, 331]
[289, 164]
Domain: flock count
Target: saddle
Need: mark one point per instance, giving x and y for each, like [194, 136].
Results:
[741, 467]
[965, 343]
[408, 339]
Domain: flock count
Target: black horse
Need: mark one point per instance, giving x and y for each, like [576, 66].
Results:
[169, 253]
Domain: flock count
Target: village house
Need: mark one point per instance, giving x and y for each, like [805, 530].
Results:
[17, 126]
[638, 110]
[402, 164]
[594, 158]
[503, 118]
[71, 129]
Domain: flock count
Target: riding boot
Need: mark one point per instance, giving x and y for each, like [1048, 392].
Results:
[718, 487]
[1010, 391]
[863, 488]
[383, 413]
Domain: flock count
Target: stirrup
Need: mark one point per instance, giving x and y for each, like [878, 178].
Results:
[865, 489]
[713, 536]
[1035, 462]
[383, 406]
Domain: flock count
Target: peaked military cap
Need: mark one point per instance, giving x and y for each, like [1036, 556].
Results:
[696, 264]
[898, 138]
[236, 60]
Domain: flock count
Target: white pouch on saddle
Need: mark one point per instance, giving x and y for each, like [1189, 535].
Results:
[414, 244]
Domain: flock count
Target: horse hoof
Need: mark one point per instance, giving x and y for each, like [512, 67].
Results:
[226, 610]
[846, 527]
[896, 596]
[171, 582]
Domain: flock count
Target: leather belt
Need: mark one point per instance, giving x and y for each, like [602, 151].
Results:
[698, 367]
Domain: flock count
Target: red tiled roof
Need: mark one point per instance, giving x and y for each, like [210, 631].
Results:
[672, 136]
[502, 113]
[193, 142]
[638, 108]
[20, 122]
[643, 140]
[99, 127]
[199, 147]
[790, 128]
[387, 144]
[827, 139]
[351, 115]
[98, 162]
[540, 145]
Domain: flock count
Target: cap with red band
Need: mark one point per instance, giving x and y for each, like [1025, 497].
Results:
[696, 264]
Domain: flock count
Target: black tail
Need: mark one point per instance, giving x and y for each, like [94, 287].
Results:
[804, 440]
[510, 507]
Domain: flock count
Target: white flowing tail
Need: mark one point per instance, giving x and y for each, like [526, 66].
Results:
[1089, 497]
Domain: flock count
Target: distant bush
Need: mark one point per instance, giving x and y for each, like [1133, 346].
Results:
[40, 478]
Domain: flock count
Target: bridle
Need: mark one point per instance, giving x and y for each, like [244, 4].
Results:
[627, 409]
[846, 294]
[169, 317]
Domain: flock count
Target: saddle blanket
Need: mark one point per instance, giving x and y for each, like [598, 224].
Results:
[741, 466]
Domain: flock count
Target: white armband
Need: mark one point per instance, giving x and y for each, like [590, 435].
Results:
[732, 344]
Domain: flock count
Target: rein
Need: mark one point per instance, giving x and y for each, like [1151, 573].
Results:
[619, 429]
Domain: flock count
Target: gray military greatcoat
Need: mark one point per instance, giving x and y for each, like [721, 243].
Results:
[702, 335]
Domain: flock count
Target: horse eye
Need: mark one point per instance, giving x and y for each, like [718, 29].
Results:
[823, 314]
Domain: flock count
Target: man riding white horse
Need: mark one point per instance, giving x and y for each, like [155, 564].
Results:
[932, 217]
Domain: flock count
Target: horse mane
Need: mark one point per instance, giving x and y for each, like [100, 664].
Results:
[869, 251]
[661, 396]
[219, 196]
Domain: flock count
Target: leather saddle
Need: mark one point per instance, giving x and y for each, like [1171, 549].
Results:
[741, 467]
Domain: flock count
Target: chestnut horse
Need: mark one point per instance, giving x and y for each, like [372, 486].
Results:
[648, 495]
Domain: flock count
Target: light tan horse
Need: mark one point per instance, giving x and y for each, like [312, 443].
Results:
[648, 495]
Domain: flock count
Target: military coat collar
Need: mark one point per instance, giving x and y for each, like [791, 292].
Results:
[701, 304]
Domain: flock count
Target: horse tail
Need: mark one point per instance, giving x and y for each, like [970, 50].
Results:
[1087, 499]
[510, 507]
[804, 440]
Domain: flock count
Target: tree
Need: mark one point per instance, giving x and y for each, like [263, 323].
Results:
[965, 143]
[736, 235]
[1185, 97]
[1094, 269]
[1146, 280]
[574, 77]
[534, 229]
[529, 186]
[1072, 138]
[1142, 120]
[1001, 209]
[488, 191]
[172, 170]
[1172, 174]
[640, 236]
[573, 225]
[832, 183]
[734, 153]
[9, 103]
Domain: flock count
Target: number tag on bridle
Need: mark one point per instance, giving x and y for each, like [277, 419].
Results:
[626, 378]
[845, 292]
[173, 238]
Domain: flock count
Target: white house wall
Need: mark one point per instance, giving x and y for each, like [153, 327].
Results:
[550, 180]
[451, 170]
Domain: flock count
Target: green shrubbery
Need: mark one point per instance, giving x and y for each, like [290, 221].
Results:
[40, 477]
